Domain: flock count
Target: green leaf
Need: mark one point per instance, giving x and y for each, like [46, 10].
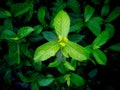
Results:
[67, 78]
[53, 64]
[62, 69]
[24, 31]
[76, 79]
[88, 12]
[76, 38]
[93, 73]
[29, 14]
[76, 51]
[14, 53]
[50, 36]
[115, 47]
[36, 38]
[113, 15]
[37, 29]
[45, 81]
[4, 13]
[8, 24]
[69, 66]
[7, 34]
[7, 77]
[34, 86]
[41, 15]
[104, 36]
[105, 10]
[76, 25]
[38, 66]
[110, 29]
[94, 27]
[61, 79]
[24, 79]
[100, 57]
[20, 9]
[74, 5]
[98, 20]
[46, 51]
[62, 23]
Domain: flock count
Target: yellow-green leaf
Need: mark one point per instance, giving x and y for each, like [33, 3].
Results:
[46, 51]
[62, 23]
[75, 51]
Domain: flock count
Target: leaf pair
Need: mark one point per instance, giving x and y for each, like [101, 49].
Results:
[62, 25]
[100, 40]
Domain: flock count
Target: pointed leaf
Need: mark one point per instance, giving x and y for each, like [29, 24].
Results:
[53, 64]
[24, 31]
[104, 36]
[69, 66]
[62, 23]
[20, 9]
[34, 86]
[88, 12]
[46, 51]
[105, 10]
[115, 47]
[76, 79]
[76, 51]
[113, 15]
[100, 57]
[14, 53]
[74, 5]
[37, 29]
[41, 15]
[94, 27]
[4, 13]
[50, 36]
[45, 81]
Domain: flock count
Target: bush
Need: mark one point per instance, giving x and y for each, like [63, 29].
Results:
[59, 44]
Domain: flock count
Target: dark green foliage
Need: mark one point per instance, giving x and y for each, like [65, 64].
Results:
[58, 44]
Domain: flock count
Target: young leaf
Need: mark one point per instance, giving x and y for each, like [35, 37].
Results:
[104, 36]
[69, 66]
[76, 51]
[99, 56]
[50, 36]
[20, 9]
[62, 23]
[4, 13]
[105, 10]
[41, 15]
[76, 79]
[46, 51]
[88, 12]
[24, 31]
[94, 27]
[45, 81]
[113, 15]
